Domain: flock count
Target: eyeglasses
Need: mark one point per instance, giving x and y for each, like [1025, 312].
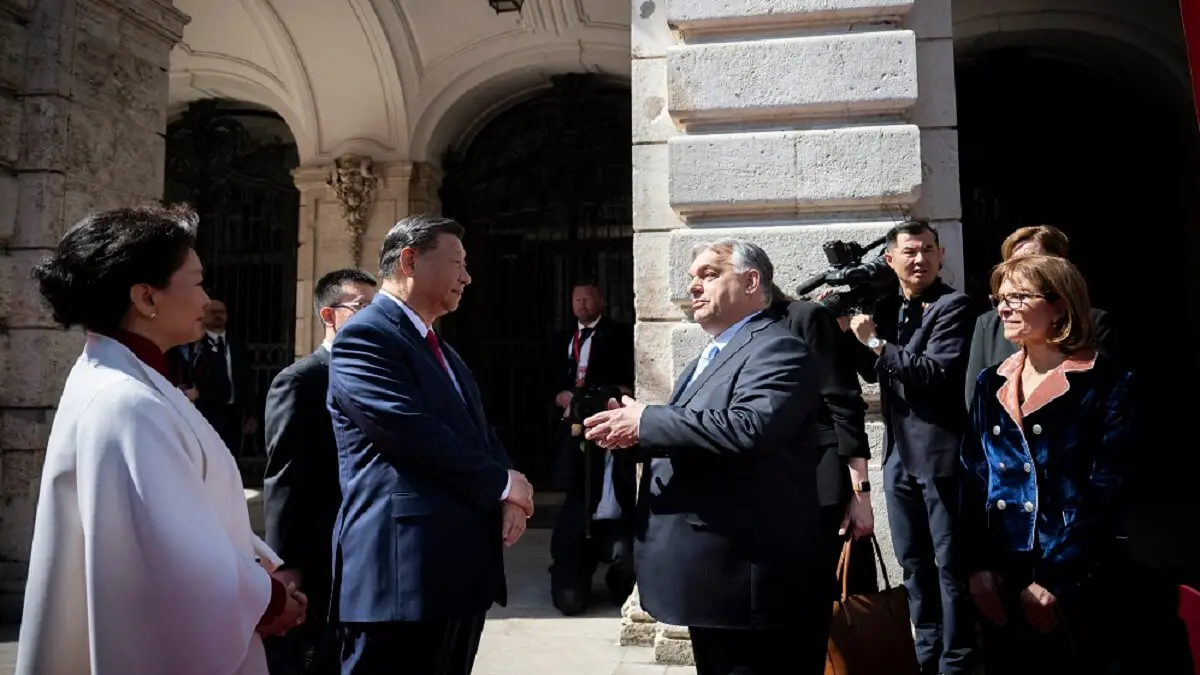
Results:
[346, 305]
[1019, 300]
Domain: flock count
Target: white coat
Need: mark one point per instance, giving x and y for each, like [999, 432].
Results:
[143, 559]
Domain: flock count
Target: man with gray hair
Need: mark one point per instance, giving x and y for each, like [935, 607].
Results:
[728, 513]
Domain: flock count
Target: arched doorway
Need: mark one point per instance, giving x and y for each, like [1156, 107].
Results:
[1050, 136]
[544, 191]
[232, 162]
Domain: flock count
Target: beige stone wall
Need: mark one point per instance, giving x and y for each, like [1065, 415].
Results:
[83, 95]
[788, 123]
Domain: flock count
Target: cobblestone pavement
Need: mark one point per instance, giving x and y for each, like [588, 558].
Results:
[529, 637]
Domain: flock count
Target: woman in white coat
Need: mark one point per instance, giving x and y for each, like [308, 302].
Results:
[143, 559]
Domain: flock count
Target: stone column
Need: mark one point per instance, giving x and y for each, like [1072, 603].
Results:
[326, 240]
[83, 96]
[788, 123]
[426, 182]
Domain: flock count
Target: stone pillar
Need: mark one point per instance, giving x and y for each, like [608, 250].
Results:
[83, 97]
[788, 123]
[426, 182]
[325, 240]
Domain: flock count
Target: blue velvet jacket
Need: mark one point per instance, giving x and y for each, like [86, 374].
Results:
[1047, 482]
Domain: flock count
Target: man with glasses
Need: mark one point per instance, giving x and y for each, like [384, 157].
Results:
[915, 347]
[301, 496]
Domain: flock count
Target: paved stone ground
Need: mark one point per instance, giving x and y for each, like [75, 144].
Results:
[529, 637]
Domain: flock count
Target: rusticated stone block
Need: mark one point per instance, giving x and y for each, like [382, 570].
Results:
[653, 378]
[937, 106]
[13, 37]
[673, 646]
[92, 143]
[788, 172]
[25, 428]
[10, 128]
[651, 122]
[747, 14]
[651, 206]
[821, 76]
[648, 30]
[940, 191]
[39, 222]
[137, 160]
[21, 304]
[36, 362]
[44, 133]
[9, 186]
[652, 277]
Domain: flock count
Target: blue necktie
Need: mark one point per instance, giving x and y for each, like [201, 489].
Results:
[705, 359]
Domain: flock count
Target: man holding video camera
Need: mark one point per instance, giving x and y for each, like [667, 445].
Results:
[915, 346]
[595, 523]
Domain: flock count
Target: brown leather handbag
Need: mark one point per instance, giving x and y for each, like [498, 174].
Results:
[870, 633]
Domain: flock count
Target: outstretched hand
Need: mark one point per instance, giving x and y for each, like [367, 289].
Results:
[617, 427]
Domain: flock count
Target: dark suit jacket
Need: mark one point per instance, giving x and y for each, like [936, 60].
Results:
[728, 521]
[418, 535]
[920, 375]
[300, 487]
[840, 428]
[610, 361]
[192, 365]
[989, 347]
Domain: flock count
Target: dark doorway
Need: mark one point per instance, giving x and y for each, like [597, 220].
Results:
[233, 165]
[544, 192]
[1103, 156]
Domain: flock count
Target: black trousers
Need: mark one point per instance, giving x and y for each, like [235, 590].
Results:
[426, 647]
[921, 514]
[794, 649]
[576, 557]
[863, 572]
[308, 649]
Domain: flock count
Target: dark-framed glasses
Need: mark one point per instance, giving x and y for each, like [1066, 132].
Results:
[352, 306]
[1019, 300]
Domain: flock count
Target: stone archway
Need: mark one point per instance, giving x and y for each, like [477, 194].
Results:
[544, 192]
[1086, 134]
[232, 162]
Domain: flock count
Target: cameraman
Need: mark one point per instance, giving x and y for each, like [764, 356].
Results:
[842, 486]
[915, 346]
[595, 523]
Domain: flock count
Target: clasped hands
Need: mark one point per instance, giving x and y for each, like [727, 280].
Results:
[295, 611]
[1040, 605]
[618, 427]
[517, 506]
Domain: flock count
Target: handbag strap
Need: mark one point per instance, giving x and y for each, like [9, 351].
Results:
[843, 569]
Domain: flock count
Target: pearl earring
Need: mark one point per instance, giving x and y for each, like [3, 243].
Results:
[153, 315]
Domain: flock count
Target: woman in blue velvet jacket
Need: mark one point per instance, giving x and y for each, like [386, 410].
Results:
[1046, 488]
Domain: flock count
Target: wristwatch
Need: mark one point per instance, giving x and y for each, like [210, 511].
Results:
[874, 342]
[864, 486]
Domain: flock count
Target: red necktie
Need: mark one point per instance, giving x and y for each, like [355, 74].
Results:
[432, 339]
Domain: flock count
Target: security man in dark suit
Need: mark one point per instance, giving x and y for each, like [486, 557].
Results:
[728, 512]
[595, 523]
[300, 489]
[840, 436]
[915, 346]
[988, 346]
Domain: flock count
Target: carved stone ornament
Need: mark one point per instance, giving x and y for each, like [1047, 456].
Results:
[354, 183]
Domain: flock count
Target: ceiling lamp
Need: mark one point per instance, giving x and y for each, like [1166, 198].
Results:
[506, 5]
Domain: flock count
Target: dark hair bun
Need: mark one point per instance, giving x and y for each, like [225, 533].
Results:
[56, 282]
[87, 280]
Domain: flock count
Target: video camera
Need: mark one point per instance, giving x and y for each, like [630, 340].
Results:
[867, 281]
[587, 402]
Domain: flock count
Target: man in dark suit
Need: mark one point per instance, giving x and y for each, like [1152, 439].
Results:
[300, 489]
[840, 435]
[916, 348]
[595, 523]
[988, 344]
[428, 494]
[728, 511]
[215, 374]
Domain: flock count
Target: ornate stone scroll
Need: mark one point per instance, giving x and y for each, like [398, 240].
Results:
[354, 183]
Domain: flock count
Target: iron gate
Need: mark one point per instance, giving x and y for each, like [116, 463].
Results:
[240, 183]
[544, 192]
